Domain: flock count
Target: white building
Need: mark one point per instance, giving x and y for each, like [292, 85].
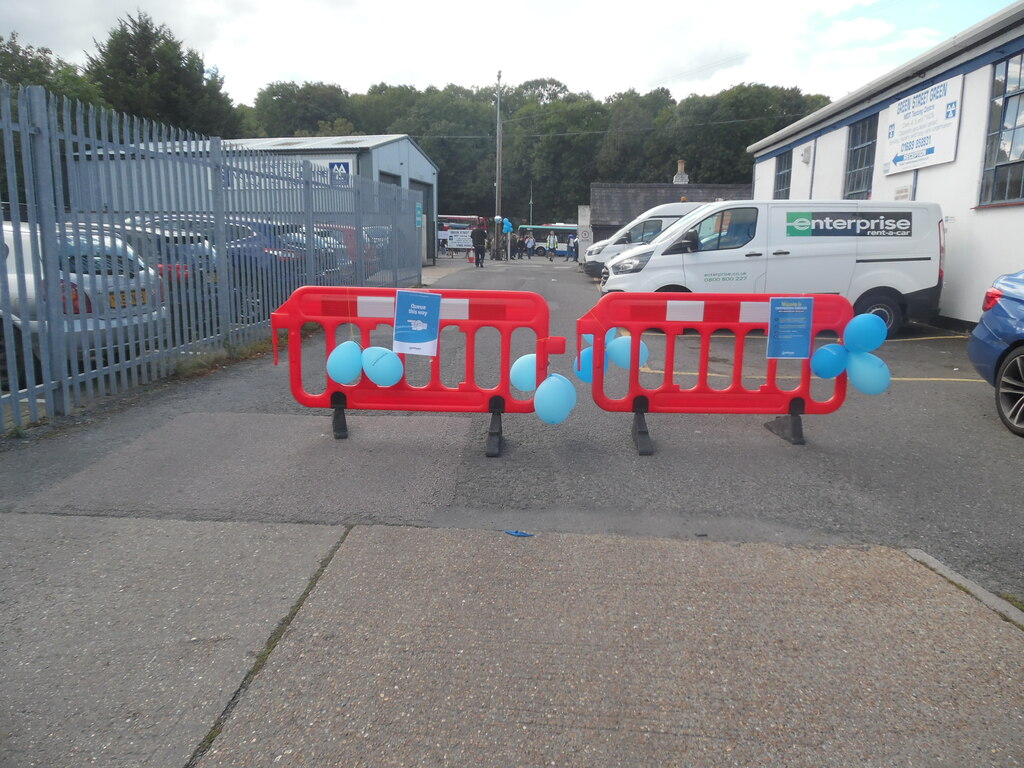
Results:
[946, 127]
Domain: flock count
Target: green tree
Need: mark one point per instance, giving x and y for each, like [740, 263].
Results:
[249, 125]
[382, 104]
[27, 65]
[553, 147]
[290, 109]
[629, 151]
[712, 133]
[142, 69]
[340, 126]
[455, 128]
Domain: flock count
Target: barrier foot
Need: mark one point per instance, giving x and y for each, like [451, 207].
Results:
[494, 435]
[789, 427]
[497, 407]
[641, 437]
[338, 423]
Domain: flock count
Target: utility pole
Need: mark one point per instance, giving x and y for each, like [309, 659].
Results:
[497, 171]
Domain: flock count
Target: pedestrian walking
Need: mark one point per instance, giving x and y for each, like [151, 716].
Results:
[479, 238]
[531, 245]
[552, 244]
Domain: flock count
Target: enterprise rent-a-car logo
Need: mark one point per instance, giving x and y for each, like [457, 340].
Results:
[845, 224]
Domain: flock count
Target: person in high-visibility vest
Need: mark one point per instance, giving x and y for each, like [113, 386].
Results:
[552, 245]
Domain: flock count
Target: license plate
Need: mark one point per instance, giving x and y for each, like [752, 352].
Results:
[125, 299]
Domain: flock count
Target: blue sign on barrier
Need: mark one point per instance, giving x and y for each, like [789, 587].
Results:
[417, 322]
[789, 327]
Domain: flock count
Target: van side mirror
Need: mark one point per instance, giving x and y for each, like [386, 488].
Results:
[690, 241]
[686, 244]
[623, 240]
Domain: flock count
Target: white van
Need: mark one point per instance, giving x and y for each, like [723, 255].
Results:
[886, 257]
[643, 229]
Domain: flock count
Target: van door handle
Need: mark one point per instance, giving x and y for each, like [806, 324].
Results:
[780, 253]
[752, 253]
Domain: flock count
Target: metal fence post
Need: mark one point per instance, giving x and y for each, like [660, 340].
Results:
[307, 206]
[361, 244]
[225, 271]
[44, 204]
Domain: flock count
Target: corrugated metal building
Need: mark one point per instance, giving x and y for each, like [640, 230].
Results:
[387, 159]
[947, 127]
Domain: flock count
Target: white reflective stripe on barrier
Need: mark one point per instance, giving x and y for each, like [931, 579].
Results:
[755, 311]
[685, 311]
[455, 309]
[375, 306]
[384, 306]
[693, 311]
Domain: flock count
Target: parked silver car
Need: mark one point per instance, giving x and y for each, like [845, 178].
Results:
[100, 298]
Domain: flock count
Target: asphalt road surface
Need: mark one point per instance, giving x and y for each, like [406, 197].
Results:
[925, 465]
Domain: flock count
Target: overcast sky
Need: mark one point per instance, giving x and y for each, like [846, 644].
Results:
[819, 46]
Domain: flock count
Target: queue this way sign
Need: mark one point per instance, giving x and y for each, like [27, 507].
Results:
[922, 128]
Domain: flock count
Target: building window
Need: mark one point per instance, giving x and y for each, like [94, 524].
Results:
[783, 174]
[1003, 177]
[860, 159]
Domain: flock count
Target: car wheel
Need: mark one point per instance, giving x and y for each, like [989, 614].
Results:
[885, 306]
[1010, 391]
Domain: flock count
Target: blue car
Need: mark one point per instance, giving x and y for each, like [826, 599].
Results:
[996, 348]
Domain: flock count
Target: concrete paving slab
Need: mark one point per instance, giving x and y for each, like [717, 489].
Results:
[123, 640]
[459, 647]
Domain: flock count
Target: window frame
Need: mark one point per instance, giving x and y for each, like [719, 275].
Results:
[1002, 169]
[783, 176]
[861, 142]
[720, 223]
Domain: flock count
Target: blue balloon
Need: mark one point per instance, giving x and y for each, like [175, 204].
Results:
[382, 366]
[619, 351]
[588, 338]
[867, 373]
[345, 362]
[555, 399]
[829, 361]
[584, 367]
[864, 333]
[523, 373]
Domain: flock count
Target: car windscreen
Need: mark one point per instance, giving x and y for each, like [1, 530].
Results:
[98, 255]
[679, 226]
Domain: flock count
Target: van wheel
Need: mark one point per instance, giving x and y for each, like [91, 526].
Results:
[885, 306]
[1010, 392]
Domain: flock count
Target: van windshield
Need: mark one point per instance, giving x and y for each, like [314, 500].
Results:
[679, 226]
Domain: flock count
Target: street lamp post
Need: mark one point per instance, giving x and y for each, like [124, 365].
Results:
[497, 169]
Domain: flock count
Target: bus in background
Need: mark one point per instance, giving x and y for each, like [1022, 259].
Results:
[541, 232]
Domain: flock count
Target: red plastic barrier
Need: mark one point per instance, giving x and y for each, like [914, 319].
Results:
[368, 308]
[739, 314]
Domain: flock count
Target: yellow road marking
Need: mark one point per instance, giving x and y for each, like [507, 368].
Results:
[712, 374]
